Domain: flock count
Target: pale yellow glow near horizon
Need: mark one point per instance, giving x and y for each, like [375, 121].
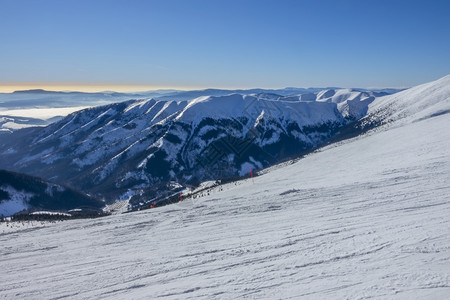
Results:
[90, 88]
[122, 88]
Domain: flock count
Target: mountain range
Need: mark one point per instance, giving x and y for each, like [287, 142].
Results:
[143, 151]
[39, 107]
[146, 149]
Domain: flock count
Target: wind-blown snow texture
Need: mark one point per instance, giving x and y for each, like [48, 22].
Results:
[365, 218]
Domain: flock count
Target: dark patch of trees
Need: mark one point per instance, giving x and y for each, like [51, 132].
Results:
[47, 196]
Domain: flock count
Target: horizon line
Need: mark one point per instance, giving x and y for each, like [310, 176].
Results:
[136, 88]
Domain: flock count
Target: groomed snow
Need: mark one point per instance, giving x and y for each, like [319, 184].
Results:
[367, 218]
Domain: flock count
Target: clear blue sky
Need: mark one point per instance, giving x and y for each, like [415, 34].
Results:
[224, 43]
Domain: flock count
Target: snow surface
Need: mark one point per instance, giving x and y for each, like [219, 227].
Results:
[365, 218]
[417, 103]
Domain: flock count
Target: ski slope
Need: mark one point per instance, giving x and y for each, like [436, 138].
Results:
[365, 218]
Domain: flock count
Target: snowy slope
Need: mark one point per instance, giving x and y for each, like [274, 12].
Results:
[417, 103]
[365, 218]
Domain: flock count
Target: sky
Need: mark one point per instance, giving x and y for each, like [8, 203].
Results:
[191, 44]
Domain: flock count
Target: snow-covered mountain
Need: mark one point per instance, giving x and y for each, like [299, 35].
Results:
[20, 192]
[365, 218]
[190, 95]
[138, 147]
[29, 108]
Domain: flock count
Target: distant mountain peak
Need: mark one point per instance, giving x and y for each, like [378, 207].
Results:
[33, 91]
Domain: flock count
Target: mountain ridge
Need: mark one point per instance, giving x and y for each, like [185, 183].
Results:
[150, 142]
[139, 148]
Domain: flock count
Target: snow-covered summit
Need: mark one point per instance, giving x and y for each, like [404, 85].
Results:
[252, 106]
[350, 102]
[212, 107]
